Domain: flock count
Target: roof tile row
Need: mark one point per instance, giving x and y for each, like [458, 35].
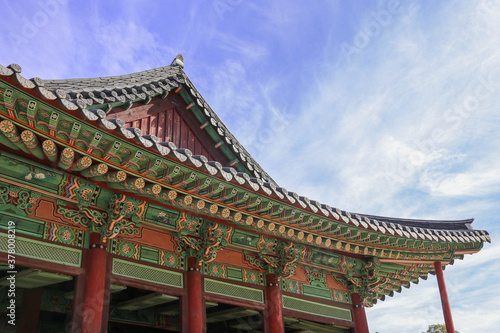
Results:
[433, 230]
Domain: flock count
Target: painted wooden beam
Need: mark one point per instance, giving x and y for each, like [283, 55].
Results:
[129, 184]
[31, 142]
[50, 150]
[214, 190]
[82, 163]
[95, 170]
[151, 190]
[6, 142]
[169, 174]
[66, 158]
[53, 122]
[10, 131]
[112, 177]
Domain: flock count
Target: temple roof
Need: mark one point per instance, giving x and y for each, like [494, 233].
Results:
[121, 89]
[244, 197]
[82, 95]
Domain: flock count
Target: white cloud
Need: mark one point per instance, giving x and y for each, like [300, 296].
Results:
[480, 180]
[409, 128]
[127, 47]
[388, 132]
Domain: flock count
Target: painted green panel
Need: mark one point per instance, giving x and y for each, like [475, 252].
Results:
[29, 172]
[314, 308]
[231, 290]
[23, 226]
[161, 215]
[234, 273]
[245, 239]
[325, 259]
[317, 292]
[44, 251]
[148, 254]
[146, 273]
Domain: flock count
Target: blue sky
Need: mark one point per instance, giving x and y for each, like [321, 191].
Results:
[379, 107]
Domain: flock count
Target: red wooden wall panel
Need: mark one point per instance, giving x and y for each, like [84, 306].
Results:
[153, 124]
[169, 125]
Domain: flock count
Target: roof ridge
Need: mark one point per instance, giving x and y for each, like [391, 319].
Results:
[92, 92]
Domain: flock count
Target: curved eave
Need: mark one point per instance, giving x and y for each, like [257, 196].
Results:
[322, 217]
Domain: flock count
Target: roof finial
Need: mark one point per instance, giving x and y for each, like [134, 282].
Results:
[178, 61]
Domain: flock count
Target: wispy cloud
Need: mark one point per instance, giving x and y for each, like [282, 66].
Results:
[381, 121]
[126, 46]
[467, 282]
[407, 127]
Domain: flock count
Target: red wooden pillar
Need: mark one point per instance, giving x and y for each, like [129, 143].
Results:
[444, 298]
[94, 296]
[76, 319]
[274, 305]
[30, 312]
[359, 314]
[195, 299]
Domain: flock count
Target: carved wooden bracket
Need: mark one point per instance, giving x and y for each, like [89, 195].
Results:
[281, 262]
[122, 216]
[368, 279]
[213, 237]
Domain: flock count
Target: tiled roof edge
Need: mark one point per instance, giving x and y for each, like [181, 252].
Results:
[380, 224]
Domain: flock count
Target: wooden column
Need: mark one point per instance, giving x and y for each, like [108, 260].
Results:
[30, 312]
[359, 314]
[195, 300]
[94, 299]
[444, 298]
[274, 306]
[76, 318]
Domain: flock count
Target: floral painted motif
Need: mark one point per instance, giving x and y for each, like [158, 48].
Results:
[213, 209]
[127, 249]
[170, 259]
[216, 270]
[251, 277]
[340, 296]
[292, 286]
[237, 217]
[200, 204]
[310, 238]
[64, 235]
